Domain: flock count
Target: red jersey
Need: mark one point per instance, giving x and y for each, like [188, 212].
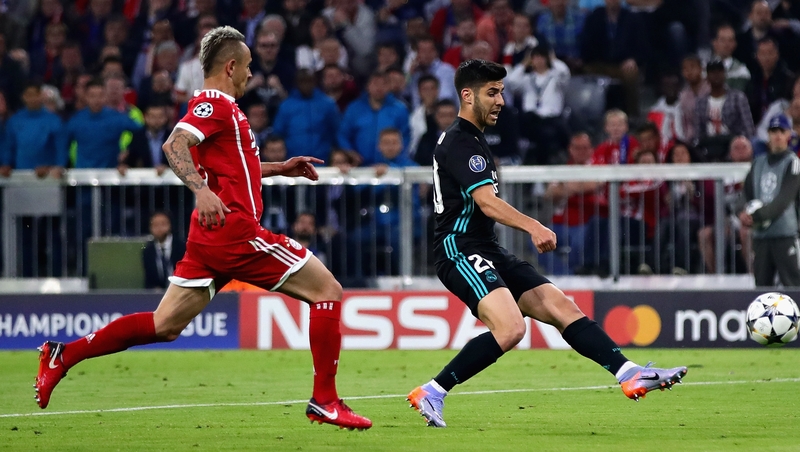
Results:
[639, 200]
[578, 209]
[228, 159]
[610, 153]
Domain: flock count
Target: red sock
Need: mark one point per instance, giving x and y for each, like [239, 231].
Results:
[326, 342]
[122, 333]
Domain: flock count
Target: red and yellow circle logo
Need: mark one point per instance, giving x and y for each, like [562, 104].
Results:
[640, 325]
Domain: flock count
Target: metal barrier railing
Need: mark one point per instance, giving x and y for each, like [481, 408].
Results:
[665, 216]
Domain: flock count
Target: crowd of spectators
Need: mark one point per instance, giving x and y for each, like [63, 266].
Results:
[102, 81]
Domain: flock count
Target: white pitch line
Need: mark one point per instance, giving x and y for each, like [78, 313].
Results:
[383, 396]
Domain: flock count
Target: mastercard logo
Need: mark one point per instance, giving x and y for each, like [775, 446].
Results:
[640, 325]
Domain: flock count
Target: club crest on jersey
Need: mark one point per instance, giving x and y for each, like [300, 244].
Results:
[203, 110]
[477, 163]
[294, 244]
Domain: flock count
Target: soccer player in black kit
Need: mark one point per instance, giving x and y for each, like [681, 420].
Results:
[498, 287]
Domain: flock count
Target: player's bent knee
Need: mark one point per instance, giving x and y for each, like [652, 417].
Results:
[510, 336]
[334, 290]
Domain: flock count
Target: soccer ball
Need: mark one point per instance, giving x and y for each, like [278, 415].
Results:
[772, 319]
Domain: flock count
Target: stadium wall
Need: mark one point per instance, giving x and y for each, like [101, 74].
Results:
[376, 320]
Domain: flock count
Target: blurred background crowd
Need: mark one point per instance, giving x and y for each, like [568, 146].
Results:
[100, 83]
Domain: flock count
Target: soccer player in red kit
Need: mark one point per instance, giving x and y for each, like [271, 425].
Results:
[213, 151]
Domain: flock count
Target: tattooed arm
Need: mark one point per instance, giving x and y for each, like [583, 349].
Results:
[210, 209]
[176, 148]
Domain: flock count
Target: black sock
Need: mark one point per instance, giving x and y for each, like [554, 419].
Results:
[588, 339]
[479, 353]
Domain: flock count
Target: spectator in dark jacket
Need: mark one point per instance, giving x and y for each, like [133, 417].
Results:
[721, 115]
[761, 25]
[12, 76]
[144, 150]
[49, 12]
[503, 137]
[46, 62]
[611, 45]
[89, 27]
[771, 80]
[444, 115]
[271, 82]
[161, 253]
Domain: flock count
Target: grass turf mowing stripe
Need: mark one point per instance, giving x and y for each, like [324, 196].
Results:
[384, 396]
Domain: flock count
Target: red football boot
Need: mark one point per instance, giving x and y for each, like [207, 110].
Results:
[336, 413]
[51, 371]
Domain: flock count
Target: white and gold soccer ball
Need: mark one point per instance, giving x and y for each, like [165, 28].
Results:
[772, 319]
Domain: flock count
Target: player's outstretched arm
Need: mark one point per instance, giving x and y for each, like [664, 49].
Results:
[211, 211]
[294, 167]
[504, 213]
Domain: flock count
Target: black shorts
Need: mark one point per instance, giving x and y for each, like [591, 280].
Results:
[476, 271]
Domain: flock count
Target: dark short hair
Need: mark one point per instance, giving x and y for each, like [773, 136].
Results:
[768, 40]
[395, 69]
[256, 104]
[643, 152]
[715, 65]
[387, 45]
[335, 151]
[95, 82]
[693, 154]
[648, 126]
[36, 84]
[580, 133]
[445, 103]
[162, 213]
[390, 130]
[426, 38]
[473, 74]
[376, 74]
[117, 18]
[274, 139]
[156, 105]
[111, 59]
[303, 72]
[331, 66]
[693, 58]
[306, 213]
[722, 26]
[542, 51]
[427, 78]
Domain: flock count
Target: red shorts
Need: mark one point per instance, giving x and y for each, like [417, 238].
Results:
[266, 261]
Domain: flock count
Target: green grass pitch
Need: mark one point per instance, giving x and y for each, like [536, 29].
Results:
[530, 400]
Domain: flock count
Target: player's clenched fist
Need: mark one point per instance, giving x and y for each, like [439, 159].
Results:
[543, 238]
[210, 209]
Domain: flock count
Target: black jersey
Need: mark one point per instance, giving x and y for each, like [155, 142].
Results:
[462, 162]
